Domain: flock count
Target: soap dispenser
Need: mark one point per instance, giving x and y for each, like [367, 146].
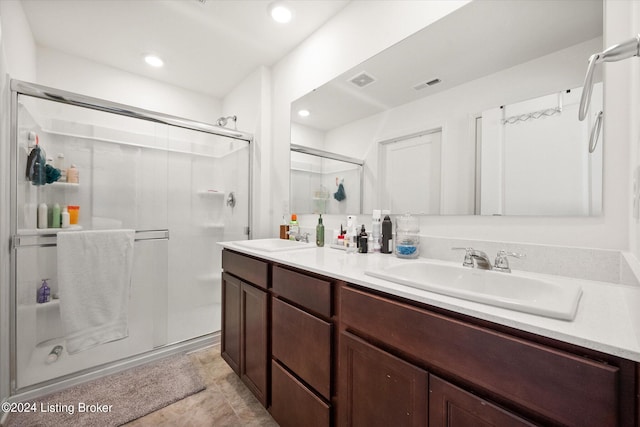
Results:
[320, 233]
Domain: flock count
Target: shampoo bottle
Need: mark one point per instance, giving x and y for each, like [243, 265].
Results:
[320, 233]
[56, 216]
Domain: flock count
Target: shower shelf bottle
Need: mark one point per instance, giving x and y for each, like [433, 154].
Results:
[44, 293]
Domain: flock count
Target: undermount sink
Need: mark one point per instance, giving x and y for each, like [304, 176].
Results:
[507, 290]
[274, 245]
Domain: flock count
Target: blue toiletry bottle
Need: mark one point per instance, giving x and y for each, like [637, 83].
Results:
[44, 292]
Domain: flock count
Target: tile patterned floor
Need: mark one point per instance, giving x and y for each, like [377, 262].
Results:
[225, 402]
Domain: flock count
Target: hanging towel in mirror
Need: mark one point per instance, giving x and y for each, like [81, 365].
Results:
[340, 195]
[94, 278]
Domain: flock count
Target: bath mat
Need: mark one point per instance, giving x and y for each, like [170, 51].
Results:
[115, 399]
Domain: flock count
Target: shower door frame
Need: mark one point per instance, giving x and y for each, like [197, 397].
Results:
[18, 88]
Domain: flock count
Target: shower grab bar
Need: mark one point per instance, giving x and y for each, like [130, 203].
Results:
[49, 240]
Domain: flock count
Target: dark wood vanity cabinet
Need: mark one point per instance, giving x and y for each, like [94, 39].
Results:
[320, 352]
[245, 320]
[478, 375]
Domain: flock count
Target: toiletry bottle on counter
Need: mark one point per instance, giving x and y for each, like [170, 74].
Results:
[43, 215]
[363, 238]
[320, 233]
[387, 235]
[294, 228]
[44, 293]
[284, 229]
[65, 220]
[351, 238]
[376, 231]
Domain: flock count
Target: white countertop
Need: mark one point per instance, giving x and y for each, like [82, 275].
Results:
[607, 320]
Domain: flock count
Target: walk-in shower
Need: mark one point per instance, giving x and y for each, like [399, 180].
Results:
[169, 179]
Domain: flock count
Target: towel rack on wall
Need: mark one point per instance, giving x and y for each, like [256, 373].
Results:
[49, 240]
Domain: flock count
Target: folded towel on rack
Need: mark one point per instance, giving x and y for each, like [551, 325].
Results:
[94, 279]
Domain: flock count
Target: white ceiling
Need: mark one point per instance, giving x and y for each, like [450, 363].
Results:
[478, 39]
[207, 47]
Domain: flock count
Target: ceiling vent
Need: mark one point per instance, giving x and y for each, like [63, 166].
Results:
[423, 85]
[363, 79]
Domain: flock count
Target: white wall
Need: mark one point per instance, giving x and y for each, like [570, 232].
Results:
[62, 71]
[250, 101]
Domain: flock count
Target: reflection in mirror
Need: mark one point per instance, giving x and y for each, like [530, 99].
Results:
[324, 183]
[445, 81]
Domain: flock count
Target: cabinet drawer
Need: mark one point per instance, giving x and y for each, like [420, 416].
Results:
[302, 343]
[292, 404]
[250, 269]
[310, 292]
[554, 384]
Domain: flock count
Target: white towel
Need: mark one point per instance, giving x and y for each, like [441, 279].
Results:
[94, 279]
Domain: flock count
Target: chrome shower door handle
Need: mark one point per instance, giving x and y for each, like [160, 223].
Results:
[587, 87]
[595, 132]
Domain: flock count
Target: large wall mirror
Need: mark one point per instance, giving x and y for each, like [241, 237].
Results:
[476, 114]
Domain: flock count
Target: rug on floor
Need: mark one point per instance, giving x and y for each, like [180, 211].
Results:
[115, 399]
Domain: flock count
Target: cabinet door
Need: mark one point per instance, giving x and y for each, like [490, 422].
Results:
[255, 324]
[231, 321]
[450, 406]
[378, 388]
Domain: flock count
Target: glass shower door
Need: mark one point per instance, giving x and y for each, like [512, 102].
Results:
[182, 190]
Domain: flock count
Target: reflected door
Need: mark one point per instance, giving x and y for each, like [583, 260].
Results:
[411, 171]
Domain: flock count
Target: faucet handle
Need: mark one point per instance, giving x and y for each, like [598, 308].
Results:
[468, 259]
[502, 262]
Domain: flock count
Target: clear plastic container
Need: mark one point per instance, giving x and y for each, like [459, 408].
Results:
[407, 241]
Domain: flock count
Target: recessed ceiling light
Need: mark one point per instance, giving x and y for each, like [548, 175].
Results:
[153, 60]
[280, 12]
[304, 113]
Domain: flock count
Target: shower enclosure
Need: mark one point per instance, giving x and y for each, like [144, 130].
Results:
[182, 186]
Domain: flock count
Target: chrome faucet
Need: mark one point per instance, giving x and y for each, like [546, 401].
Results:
[502, 262]
[481, 259]
[478, 259]
[300, 237]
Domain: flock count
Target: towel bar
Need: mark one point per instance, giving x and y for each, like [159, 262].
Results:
[49, 240]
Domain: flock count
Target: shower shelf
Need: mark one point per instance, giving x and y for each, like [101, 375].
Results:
[73, 185]
[211, 193]
[47, 231]
[213, 225]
